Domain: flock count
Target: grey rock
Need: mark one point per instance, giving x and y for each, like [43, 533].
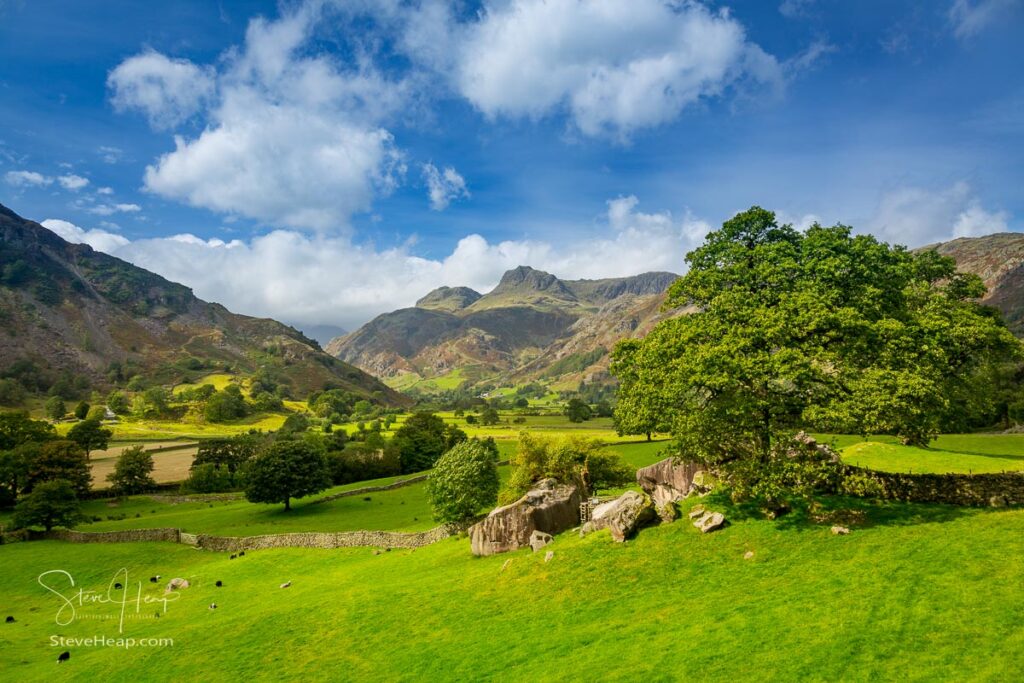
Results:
[667, 481]
[840, 530]
[548, 507]
[710, 521]
[622, 516]
[176, 584]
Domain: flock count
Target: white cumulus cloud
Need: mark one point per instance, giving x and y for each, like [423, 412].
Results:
[444, 187]
[72, 182]
[346, 283]
[26, 179]
[168, 91]
[615, 65]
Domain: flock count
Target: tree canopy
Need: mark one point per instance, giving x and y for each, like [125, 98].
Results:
[286, 470]
[422, 439]
[822, 329]
[132, 472]
[464, 481]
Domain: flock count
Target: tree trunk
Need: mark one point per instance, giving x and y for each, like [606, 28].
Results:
[648, 436]
[287, 504]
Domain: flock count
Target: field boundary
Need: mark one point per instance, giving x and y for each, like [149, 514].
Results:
[308, 539]
[984, 489]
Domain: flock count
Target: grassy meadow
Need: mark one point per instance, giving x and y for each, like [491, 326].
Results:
[915, 593]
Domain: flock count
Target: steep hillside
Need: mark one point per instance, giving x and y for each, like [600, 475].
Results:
[66, 308]
[999, 261]
[533, 325]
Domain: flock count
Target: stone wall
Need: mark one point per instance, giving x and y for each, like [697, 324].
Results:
[995, 489]
[314, 539]
[126, 536]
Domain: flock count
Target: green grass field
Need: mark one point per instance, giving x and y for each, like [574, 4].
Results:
[947, 453]
[919, 593]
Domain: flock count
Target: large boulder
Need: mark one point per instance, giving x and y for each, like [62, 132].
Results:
[667, 482]
[548, 507]
[622, 516]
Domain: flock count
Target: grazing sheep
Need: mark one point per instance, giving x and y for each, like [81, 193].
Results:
[213, 605]
[64, 656]
[219, 584]
[154, 579]
[232, 557]
[118, 586]
[10, 620]
[241, 553]
[286, 584]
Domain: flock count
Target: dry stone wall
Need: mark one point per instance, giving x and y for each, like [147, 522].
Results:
[973, 490]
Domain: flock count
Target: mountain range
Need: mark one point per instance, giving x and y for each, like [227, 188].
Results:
[532, 326]
[66, 308]
[535, 326]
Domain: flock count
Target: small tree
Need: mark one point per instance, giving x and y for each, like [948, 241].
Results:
[55, 408]
[82, 410]
[288, 469]
[208, 478]
[577, 411]
[98, 413]
[118, 403]
[464, 480]
[132, 471]
[489, 416]
[50, 504]
[423, 439]
[90, 435]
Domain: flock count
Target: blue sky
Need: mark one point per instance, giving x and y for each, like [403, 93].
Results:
[322, 162]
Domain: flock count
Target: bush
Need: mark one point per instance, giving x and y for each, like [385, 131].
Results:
[50, 504]
[423, 439]
[464, 481]
[82, 410]
[208, 478]
[55, 408]
[571, 460]
[360, 464]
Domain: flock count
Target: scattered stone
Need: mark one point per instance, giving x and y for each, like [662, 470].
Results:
[376, 551]
[840, 530]
[539, 539]
[286, 584]
[9, 620]
[548, 507]
[219, 583]
[63, 657]
[749, 555]
[622, 516]
[997, 501]
[176, 584]
[505, 565]
[697, 511]
[549, 555]
[710, 521]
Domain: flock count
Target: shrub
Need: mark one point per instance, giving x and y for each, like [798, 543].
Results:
[55, 408]
[208, 478]
[82, 410]
[464, 480]
[423, 439]
[570, 460]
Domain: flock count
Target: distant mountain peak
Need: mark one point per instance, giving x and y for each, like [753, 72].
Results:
[449, 298]
[525, 278]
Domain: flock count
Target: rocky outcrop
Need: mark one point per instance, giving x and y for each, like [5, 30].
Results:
[669, 481]
[622, 516]
[548, 507]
